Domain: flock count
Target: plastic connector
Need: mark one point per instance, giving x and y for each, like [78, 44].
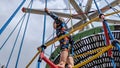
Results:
[101, 16]
[23, 9]
[39, 60]
[43, 46]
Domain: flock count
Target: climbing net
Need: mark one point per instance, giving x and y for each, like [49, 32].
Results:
[109, 38]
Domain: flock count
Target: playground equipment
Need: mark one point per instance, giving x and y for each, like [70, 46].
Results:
[94, 47]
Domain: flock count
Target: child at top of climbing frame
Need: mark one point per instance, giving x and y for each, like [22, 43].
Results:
[61, 29]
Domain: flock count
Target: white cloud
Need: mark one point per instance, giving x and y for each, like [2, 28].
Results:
[34, 33]
[33, 37]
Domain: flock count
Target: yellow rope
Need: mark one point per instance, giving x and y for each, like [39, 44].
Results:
[113, 13]
[93, 57]
[75, 29]
[89, 52]
[56, 39]
[78, 28]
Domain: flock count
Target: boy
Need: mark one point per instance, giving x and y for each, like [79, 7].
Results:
[61, 29]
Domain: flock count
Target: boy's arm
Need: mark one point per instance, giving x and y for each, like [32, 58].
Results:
[54, 16]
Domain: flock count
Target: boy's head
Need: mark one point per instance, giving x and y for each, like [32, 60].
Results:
[55, 24]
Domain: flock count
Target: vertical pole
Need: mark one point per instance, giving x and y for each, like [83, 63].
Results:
[44, 30]
[43, 39]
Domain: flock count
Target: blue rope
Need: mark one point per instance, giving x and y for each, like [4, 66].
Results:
[11, 17]
[108, 28]
[11, 33]
[44, 30]
[113, 62]
[111, 35]
[15, 41]
[23, 36]
[73, 51]
[112, 7]
[97, 7]
[43, 39]
[38, 64]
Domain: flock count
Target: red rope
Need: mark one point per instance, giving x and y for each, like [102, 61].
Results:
[107, 39]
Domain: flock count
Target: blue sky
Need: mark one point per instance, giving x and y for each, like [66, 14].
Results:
[33, 37]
